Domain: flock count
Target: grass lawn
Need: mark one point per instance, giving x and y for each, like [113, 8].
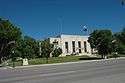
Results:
[53, 60]
[121, 55]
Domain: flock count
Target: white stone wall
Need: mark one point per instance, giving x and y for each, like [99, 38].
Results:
[69, 38]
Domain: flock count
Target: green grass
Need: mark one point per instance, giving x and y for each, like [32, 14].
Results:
[116, 56]
[55, 60]
[121, 55]
[16, 63]
[50, 60]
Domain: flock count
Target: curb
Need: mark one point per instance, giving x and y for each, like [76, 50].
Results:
[7, 67]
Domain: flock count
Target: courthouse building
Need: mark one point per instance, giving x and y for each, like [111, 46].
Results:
[72, 44]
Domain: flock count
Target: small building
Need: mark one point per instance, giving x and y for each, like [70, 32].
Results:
[72, 44]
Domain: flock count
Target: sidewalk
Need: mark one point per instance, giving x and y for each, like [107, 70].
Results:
[83, 61]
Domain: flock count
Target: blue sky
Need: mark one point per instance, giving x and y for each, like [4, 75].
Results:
[44, 18]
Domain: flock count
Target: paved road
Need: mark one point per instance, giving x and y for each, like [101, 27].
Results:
[112, 71]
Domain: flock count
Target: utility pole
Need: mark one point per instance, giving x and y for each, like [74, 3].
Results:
[60, 26]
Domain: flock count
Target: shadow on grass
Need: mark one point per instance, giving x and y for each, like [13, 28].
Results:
[90, 58]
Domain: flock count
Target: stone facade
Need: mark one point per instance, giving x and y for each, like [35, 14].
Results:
[72, 44]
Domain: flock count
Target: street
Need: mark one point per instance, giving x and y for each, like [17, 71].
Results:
[105, 71]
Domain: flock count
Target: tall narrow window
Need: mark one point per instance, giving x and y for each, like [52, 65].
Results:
[85, 46]
[73, 46]
[79, 45]
[66, 47]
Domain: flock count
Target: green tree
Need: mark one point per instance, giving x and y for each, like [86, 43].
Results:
[9, 34]
[46, 48]
[57, 52]
[120, 38]
[101, 40]
[27, 48]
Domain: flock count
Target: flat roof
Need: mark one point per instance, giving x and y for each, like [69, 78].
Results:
[66, 35]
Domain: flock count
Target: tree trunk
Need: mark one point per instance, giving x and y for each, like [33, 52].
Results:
[1, 53]
[47, 60]
[102, 56]
[0, 59]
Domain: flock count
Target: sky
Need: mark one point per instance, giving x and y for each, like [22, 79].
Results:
[48, 18]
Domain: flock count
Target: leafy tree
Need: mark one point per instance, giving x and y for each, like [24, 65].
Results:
[120, 38]
[57, 52]
[9, 34]
[101, 40]
[46, 48]
[27, 48]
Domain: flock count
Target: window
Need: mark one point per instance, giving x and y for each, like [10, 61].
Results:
[79, 46]
[55, 42]
[85, 46]
[73, 46]
[66, 47]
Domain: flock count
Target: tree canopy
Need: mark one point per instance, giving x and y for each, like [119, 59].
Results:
[27, 48]
[9, 34]
[101, 40]
[120, 38]
[56, 52]
[47, 48]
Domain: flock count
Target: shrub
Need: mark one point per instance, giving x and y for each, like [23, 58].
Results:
[57, 52]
